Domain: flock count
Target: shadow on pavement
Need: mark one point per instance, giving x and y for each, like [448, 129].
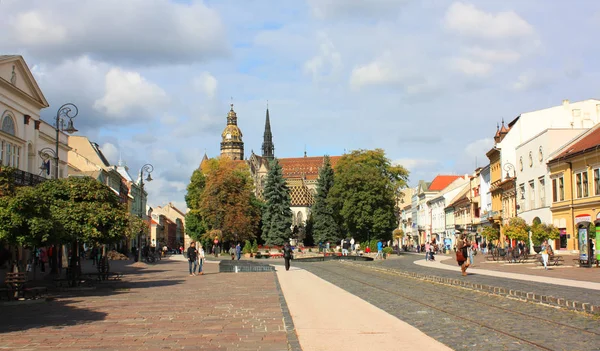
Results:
[56, 314]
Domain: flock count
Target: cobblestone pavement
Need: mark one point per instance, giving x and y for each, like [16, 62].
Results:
[159, 307]
[405, 263]
[464, 319]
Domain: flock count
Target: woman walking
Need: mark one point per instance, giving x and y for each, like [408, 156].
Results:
[200, 259]
[461, 254]
[544, 253]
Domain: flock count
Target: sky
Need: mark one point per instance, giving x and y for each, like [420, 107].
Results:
[425, 80]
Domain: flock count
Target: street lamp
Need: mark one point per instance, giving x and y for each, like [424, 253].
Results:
[147, 168]
[66, 111]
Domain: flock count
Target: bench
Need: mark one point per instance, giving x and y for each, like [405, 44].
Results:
[553, 260]
[16, 289]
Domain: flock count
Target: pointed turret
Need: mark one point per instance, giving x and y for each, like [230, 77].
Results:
[497, 135]
[268, 149]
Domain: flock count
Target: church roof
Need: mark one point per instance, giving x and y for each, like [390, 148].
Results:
[300, 194]
[304, 166]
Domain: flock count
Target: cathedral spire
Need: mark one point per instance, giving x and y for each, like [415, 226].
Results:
[268, 149]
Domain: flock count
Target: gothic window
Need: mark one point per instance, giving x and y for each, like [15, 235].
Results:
[8, 124]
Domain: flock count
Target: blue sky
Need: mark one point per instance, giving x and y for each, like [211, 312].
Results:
[426, 80]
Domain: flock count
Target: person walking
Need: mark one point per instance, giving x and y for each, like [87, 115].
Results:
[461, 254]
[238, 251]
[544, 252]
[200, 259]
[192, 254]
[379, 250]
[427, 249]
[287, 255]
[352, 242]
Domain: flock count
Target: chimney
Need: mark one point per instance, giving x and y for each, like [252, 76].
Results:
[566, 103]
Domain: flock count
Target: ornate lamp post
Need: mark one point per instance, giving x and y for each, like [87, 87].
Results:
[67, 111]
[147, 168]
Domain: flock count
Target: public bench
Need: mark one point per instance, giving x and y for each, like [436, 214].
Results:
[553, 260]
[15, 286]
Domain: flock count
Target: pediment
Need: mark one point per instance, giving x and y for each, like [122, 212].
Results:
[15, 74]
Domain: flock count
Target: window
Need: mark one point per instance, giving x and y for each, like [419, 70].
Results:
[581, 184]
[8, 124]
[521, 196]
[561, 188]
[554, 190]
[542, 192]
[531, 195]
[597, 181]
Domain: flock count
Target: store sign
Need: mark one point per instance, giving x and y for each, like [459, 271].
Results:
[583, 218]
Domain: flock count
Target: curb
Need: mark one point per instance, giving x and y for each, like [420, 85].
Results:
[494, 290]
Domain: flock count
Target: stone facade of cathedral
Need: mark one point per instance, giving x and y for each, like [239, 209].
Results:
[301, 173]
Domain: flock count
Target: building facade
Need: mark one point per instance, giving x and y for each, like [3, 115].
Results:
[575, 192]
[23, 135]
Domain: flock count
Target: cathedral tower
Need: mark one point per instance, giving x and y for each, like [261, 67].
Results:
[232, 145]
[268, 149]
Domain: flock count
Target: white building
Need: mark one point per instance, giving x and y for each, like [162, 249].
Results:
[534, 193]
[438, 206]
[577, 115]
[22, 133]
[485, 196]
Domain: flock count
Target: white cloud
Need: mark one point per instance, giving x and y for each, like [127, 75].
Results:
[417, 164]
[127, 93]
[327, 62]
[531, 80]
[327, 9]
[493, 55]
[111, 152]
[466, 19]
[133, 31]
[207, 84]
[472, 68]
[382, 70]
[479, 147]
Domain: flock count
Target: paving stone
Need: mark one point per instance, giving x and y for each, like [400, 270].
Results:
[158, 308]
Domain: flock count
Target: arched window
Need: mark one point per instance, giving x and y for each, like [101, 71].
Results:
[300, 218]
[8, 123]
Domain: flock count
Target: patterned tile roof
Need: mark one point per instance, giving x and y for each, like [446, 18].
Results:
[440, 182]
[300, 194]
[304, 166]
[588, 140]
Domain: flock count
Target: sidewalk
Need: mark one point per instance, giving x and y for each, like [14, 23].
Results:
[360, 326]
[526, 274]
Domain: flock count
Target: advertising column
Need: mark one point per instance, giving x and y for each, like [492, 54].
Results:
[583, 225]
[597, 237]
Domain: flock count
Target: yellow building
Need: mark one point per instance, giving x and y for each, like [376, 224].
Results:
[575, 175]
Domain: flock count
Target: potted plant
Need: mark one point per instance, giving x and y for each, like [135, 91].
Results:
[254, 247]
[247, 249]
[541, 232]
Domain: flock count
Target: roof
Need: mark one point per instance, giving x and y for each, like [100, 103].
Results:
[307, 167]
[590, 139]
[440, 182]
[462, 195]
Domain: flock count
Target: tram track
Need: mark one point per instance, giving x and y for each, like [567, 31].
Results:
[454, 303]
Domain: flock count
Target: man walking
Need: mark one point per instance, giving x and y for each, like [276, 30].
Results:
[287, 255]
[192, 254]
[379, 250]
[238, 251]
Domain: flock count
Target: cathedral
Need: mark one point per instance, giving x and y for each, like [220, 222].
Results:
[300, 173]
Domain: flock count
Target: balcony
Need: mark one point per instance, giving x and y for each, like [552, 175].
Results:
[23, 178]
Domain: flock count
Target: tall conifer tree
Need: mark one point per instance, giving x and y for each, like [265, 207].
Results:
[325, 227]
[277, 215]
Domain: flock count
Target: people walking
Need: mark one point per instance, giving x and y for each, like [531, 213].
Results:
[192, 254]
[287, 255]
[200, 259]
[427, 249]
[238, 251]
[462, 254]
[544, 252]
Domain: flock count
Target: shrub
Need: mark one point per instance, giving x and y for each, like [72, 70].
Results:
[388, 250]
[517, 229]
[254, 247]
[247, 247]
[491, 233]
[309, 250]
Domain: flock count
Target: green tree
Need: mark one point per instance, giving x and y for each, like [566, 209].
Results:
[227, 202]
[364, 194]
[195, 227]
[491, 233]
[543, 231]
[7, 181]
[309, 231]
[26, 218]
[195, 189]
[325, 227]
[277, 215]
[517, 229]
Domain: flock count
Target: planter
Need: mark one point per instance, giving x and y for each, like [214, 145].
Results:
[247, 255]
